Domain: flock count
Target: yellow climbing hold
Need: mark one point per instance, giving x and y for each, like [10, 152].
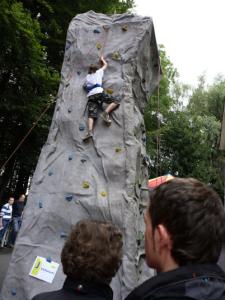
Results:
[109, 91]
[117, 150]
[124, 27]
[116, 55]
[103, 194]
[98, 46]
[86, 185]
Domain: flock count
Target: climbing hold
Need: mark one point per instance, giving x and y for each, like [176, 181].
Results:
[146, 161]
[98, 46]
[13, 292]
[67, 84]
[109, 91]
[83, 160]
[97, 30]
[63, 234]
[124, 27]
[69, 197]
[116, 55]
[68, 44]
[144, 139]
[81, 127]
[49, 259]
[40, 205]
[86, 185]
[103, 194]
[117, 150]
[143, 80]
[70, 157]
[78, 72]
[50, 173]
[69, 110]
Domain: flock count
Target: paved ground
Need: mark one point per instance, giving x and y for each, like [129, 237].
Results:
[5, 255]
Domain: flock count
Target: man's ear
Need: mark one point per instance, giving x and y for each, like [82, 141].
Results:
[164, 237]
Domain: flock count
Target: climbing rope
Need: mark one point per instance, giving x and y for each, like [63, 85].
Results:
[158, 138]
[26, 135]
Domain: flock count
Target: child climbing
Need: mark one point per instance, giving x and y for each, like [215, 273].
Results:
[96, 97]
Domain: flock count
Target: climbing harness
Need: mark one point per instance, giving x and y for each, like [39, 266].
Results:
[2, 168]
[88, 88]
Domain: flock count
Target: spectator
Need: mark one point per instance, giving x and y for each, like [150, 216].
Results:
[6, 217]
[17, 215]
[183, 239]
[90, 258]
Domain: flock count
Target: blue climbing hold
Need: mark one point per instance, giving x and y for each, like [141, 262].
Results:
[83, 160]
[50, 173]
[69, 110]
[70, 157]
[78, 72]
[81, 127]
[49, 259]
[13, 292]
[69, 197]
[40, 205]
[144, 139]
[63, 234]
[97, 30]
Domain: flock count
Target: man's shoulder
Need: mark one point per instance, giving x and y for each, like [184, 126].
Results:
[55, 295]
[180, 283]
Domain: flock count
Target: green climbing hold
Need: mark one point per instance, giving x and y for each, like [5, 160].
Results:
[109, 91]
[98, 46]
[124, 27]
[117, 150]
[116, 55]
[86, 185]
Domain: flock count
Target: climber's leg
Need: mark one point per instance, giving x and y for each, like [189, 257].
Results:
[113, 104]
[89, 133]
[92, 115]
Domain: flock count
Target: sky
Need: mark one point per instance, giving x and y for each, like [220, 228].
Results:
[193, 33]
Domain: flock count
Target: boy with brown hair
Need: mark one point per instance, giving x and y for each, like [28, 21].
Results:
[96, 97]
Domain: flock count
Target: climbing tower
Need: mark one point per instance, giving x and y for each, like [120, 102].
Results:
[105, 179]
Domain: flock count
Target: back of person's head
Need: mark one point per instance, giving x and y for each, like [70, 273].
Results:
[93, 68]
[194, 217]
[93, 251]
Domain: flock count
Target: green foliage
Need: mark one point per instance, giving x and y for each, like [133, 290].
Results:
[183, 140]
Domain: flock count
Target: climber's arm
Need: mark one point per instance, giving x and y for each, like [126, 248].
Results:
[104, 63]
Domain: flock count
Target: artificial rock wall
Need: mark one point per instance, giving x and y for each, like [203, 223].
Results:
[105, 179]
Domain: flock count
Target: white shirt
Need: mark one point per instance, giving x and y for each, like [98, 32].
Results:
[95, 78]
[6, 211]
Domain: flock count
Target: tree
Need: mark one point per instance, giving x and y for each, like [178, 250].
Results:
[26, 81]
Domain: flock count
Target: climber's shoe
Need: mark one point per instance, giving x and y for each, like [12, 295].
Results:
[106, 119]
[88, 136]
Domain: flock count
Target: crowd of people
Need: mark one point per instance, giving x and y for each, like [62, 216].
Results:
[11, 213]
[184, 235]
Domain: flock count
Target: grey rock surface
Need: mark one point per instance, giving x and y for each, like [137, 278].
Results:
[105, 179]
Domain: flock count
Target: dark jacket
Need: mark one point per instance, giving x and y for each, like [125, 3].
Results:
[18, 208]
[199, 282]
[78, 290]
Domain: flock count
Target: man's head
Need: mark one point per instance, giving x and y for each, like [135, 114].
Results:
[93, 251]
[185, 223]
[22, 198]
[11, 200]
[93, 68]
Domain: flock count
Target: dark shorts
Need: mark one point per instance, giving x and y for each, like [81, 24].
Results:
[96, 102]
